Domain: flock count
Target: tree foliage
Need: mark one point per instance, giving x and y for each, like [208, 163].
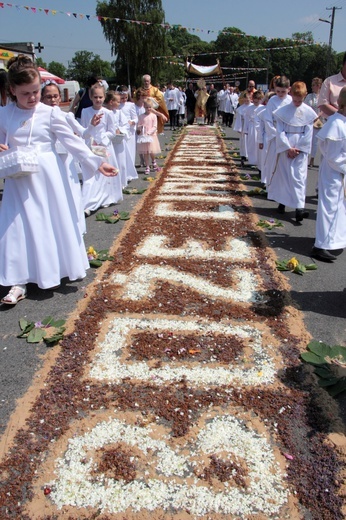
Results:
[141, 43]
[57, 68]
[134, 44]
[85, 64]
[41, 63]
[182, 46]
[298, 58]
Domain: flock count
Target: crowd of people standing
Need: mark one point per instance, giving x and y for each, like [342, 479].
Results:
[279, 133]
[97, 141]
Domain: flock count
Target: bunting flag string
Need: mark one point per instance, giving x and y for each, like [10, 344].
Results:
[165, 25]
[225, 78]
[241, 69]
[260, 49]
[179, 63]
[249, 69]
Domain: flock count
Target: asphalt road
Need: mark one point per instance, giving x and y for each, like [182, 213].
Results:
[320, 294]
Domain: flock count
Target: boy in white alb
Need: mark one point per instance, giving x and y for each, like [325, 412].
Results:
[250, 128]
[282, 88]
[239, 126]
[331, 209]
[261, 135]
[293, 145]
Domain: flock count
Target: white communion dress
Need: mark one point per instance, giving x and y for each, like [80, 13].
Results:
[100, 191]
[40, 241]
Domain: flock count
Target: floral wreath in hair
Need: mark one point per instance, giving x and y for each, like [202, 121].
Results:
[48, 82]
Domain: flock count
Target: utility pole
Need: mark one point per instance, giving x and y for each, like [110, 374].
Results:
[329, 59]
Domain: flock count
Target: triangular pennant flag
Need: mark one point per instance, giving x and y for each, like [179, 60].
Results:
[54, 12]
[68, 14]
[26, 7]
[1, 5]
[87, 16]
[46, 11]
[75, 15]
[33, 9]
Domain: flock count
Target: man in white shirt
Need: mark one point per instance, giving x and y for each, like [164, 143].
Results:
[230, 104]
[172, 98]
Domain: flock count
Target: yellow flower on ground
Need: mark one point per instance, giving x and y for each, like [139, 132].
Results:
[292, 263]
[91, 252]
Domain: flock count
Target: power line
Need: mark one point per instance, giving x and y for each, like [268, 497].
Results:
[329, 59]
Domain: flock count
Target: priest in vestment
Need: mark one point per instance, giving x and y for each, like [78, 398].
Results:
[201, 99]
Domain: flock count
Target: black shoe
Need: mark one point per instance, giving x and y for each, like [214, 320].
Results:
[322, 254]
[301, 214]
[281, 209]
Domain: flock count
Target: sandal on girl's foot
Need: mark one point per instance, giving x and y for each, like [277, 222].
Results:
[16, 293]
[155, 167]
[147, 170]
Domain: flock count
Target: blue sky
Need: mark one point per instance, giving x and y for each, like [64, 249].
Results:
[63, 35]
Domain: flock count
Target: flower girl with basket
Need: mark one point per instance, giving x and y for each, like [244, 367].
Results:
[147, 141]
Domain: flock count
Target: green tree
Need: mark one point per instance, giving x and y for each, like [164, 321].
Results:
[85, 64]
[134, 45]
[57, 68]
[41, 63]
[306, 37]
[243, 55]
[297, 61]
[181, 45]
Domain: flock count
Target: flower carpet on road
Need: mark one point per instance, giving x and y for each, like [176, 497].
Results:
[178, 392]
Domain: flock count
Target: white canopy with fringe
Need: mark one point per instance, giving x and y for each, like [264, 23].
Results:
[201, 70]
